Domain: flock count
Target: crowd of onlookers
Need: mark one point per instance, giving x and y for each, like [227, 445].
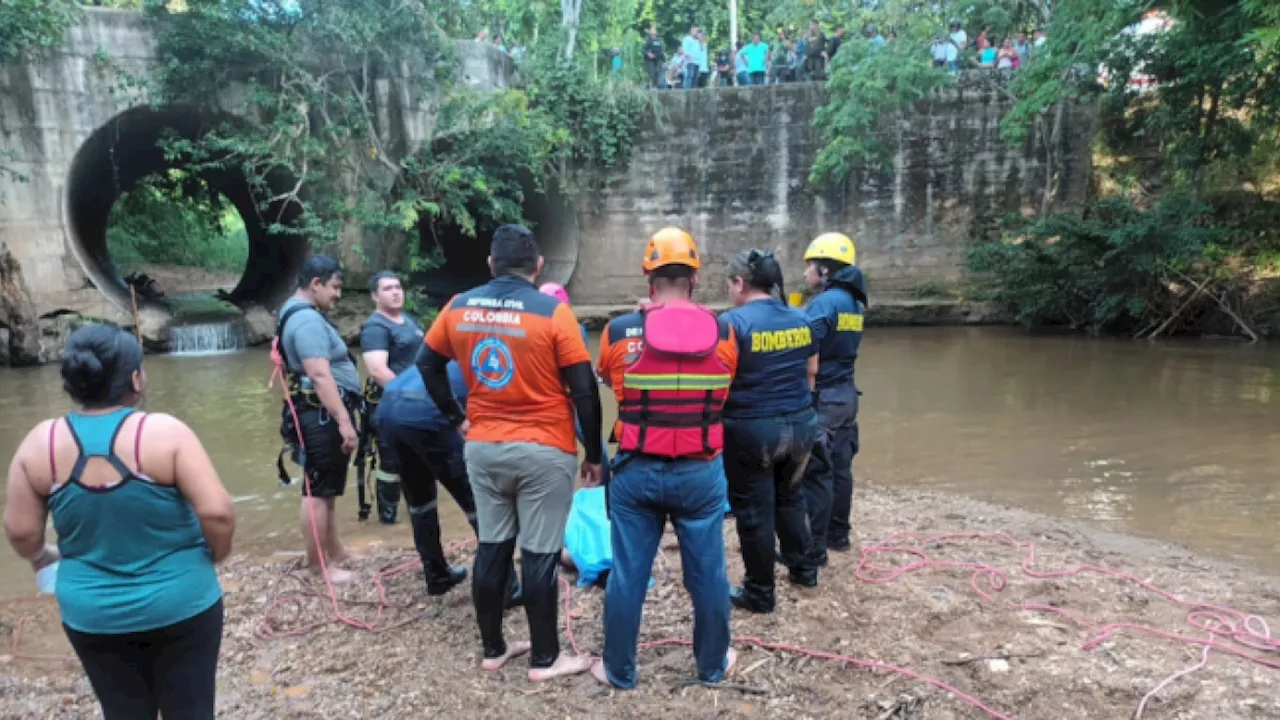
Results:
[803, 58]
[808, 56]
[1012, 53]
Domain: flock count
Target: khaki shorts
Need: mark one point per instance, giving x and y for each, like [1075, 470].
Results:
[522, 489]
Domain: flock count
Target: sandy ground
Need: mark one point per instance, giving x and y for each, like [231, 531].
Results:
[1020, 663]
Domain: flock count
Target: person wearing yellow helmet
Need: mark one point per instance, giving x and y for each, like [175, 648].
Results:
[670, 365]
[835, 319]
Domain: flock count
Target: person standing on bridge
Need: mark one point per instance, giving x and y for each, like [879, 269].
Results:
[835, 318]
[769, 428]
[323, 387]
[389, 341]
[654, 58]
[141, 518]
[519, 350]
[691, 49]
[670, 365]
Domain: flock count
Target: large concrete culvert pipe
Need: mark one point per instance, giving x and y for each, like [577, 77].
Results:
[124, 151]
[554, 224]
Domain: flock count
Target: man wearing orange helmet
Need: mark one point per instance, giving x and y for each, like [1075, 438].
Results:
[670, 366]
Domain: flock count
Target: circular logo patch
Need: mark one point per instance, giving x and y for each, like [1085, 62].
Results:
[492, 363]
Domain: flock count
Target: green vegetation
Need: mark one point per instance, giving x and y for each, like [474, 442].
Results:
[33, 26]
[176, 220]
[311, 71]
[870, 87]
[931, 289]
[1182, 231]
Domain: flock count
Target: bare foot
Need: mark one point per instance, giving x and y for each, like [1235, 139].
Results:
[337, 576]
[597, 672]
[564, 666]
[513, 649]
[344, 559]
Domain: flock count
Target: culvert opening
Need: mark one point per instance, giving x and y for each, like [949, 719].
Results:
[126, 155]
[464, 259]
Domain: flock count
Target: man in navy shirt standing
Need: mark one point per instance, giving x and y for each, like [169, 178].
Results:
[429, 449]
[835, 318]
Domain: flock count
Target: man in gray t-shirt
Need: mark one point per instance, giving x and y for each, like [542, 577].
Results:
[314, 350]
[309, 335]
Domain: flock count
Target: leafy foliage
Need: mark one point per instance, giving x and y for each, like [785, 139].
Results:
[1174, 244]
[311, 75]
[597, 120]
[1114, 269]
[870, 87]
[33, 26]
[176, 219]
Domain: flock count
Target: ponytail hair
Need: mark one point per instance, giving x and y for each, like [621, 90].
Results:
[759, 269]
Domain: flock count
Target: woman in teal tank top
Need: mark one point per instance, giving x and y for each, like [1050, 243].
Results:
[141, 518]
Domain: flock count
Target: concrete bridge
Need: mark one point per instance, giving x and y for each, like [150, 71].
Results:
[728, 164]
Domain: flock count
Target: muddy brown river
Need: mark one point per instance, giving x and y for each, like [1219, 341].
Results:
[1178, 441]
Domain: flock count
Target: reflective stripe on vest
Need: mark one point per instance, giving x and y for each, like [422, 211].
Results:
[676, 381]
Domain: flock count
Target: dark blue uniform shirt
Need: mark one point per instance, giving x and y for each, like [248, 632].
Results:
[835, 317]
[775, 343]
[405, 400]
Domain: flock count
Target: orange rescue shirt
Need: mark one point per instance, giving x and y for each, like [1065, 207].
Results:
[511, 342]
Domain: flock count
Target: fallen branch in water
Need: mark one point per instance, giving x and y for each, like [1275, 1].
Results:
[1199, 289]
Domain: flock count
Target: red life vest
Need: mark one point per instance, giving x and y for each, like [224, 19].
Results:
[673, 394]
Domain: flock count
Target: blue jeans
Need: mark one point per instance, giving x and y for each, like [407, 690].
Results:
[827, 488]
[764, 460]
[645, 492]
[691, 72]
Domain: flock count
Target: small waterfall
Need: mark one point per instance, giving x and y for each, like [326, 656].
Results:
[207, 339]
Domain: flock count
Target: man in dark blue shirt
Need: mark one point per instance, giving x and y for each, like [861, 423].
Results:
[835, 318]
[429, 449]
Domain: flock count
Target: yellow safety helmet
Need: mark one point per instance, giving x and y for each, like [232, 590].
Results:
[671, 246]
[832, 246]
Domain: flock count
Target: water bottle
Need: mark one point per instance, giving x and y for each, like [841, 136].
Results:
[47, 579]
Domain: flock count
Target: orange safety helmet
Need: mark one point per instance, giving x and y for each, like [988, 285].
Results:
[671, 246]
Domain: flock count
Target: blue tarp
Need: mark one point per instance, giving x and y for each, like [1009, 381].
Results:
[586, 536]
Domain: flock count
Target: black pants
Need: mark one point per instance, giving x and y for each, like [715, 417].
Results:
[815, 67]
[831, 478]
[170, 670]
[764, 461]
[322, 459]
[655, 69]
[425, 457]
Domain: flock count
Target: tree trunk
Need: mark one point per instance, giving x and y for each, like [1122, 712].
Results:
[1053, 159]
[570, 10]
[17, 312]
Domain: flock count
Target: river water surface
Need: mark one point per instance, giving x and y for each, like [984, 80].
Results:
[1178, 441]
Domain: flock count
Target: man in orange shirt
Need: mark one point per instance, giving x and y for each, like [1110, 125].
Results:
[518, 350]
[670, 366]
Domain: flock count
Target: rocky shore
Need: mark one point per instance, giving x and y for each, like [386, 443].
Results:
[932, 621]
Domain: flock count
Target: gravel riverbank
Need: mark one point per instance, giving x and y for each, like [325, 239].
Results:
[934, 622]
